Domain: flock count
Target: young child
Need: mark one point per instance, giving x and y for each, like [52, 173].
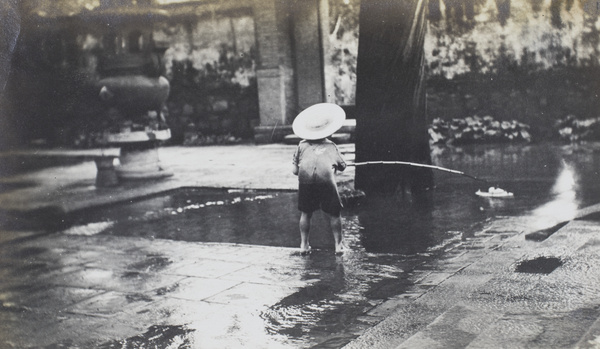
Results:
[315, 161]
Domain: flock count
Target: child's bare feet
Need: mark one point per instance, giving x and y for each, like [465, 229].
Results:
[305, 250]
[340, 248]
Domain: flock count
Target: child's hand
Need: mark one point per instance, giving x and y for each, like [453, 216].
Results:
[339, 167]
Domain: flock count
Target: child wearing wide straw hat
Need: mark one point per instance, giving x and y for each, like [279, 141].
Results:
[315, 161]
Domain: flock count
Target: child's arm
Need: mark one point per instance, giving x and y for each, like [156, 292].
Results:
[340, 163]
[295, 162]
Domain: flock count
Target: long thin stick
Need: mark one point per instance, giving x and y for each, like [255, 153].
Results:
[416, 165]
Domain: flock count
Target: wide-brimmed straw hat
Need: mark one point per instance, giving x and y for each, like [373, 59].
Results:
[319, 121]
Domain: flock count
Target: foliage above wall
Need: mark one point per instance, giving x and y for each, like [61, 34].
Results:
[493, 36]
[340, 65]
[535, 61]
[211, 66]
[480, 37]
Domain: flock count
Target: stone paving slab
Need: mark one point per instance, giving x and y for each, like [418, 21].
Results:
[136, 309]
[101, 280]
[131, 293]
[591, 339]
[455, 328]
[487, 304]
[534, 330]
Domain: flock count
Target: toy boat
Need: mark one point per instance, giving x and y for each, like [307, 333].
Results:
[494, 193]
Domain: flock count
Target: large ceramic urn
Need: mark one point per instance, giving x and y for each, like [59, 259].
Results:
[132, 88]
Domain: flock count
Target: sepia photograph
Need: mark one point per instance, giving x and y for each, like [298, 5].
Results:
[289, 174]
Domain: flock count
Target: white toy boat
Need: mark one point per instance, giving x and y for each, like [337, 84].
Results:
[495, 193]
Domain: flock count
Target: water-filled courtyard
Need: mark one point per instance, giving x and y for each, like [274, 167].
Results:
[391, 237]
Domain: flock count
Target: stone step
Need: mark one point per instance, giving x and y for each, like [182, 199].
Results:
[547, 309]
[552, 330]
[455, 328]
[591, 339]
[466, 326]
[491, 303]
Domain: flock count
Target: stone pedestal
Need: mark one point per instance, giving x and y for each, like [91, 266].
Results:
[106, 176]
[139, 154]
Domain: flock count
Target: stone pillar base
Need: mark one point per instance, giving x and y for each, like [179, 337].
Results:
[106, 176]
[140, 161]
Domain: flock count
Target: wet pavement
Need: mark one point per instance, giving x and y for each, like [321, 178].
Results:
[77, 286]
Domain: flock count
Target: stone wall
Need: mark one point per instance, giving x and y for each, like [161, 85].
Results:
[537, 64]
[210, 60]
[211, 65]
[530, 60]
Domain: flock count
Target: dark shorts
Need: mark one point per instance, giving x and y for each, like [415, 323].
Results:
[324, 196]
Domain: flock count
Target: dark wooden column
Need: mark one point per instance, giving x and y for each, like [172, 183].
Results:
[390, 96]
[10, 18]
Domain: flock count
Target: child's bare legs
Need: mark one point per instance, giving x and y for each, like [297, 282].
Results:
[336, 228]
[305, 231]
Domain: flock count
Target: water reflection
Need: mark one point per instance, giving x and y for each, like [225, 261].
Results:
[564, 203]
[393, 224]
[307, 309]
[549, 183]
[337, 289]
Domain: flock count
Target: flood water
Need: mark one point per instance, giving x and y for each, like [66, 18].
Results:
[389, 236]
[548, 181]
